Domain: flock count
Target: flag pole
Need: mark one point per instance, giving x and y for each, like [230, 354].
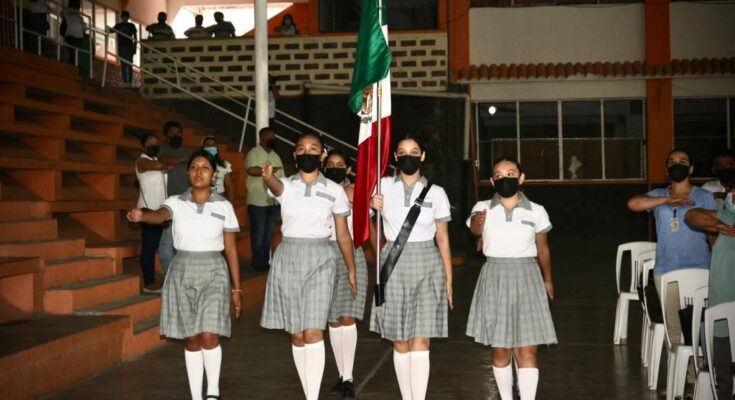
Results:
[379, 289]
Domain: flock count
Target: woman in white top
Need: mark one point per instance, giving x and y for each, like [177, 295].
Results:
[510, 310]
[420, 289]
[223, 182]
[151, 175]
[345, 309]
[302, 276]
[195, 304]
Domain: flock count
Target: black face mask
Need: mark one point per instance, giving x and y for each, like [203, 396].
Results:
[678, 172]
[175, 141]
[152, 151]
[271, 143]
[726, 177]
[336, 174]
[308, 162]
[506, 187]
[408, 164]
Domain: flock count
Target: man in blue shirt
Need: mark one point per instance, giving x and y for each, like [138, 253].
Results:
[678, 246]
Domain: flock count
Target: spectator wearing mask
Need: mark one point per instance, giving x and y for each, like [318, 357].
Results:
[72, 29]
[198, 31]
[222, 29]
[222, 183]
[174, 156]
[287, 28]
[678, 245]
[160, 30]
[126, 47]
[723, 167]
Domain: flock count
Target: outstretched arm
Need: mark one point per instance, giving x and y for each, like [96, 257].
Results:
[149, 217]
[707, 220]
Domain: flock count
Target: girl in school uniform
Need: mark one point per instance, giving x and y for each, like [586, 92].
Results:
[302, 276]
[510, 310]
[195, 303]
[345, 308]
[420, 288]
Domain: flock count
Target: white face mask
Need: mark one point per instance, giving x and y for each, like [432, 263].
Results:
[729, 206]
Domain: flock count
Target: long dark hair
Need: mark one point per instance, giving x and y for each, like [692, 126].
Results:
[218, 157]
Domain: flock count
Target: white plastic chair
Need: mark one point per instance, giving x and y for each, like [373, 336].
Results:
[655, 337]
[628, 292]
[688, 279]
[724, 311]
[643, 258]
[702, 388]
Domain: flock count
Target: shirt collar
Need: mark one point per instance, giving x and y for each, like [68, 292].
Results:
[321, 179]
[423, 180]
[524, 203]
[186, 196]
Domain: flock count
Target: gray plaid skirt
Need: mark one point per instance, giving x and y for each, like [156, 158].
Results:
[300, 285]
[196, 295]
[510, 307]
[343, 305]
[415, 295]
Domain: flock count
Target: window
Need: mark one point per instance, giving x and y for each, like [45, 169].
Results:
[700, 129]
[344, 15]
[564, 140]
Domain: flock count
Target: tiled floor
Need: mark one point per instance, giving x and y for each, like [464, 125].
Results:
[258, 363]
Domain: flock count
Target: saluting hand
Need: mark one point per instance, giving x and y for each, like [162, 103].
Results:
[677, 201]
[135, 215]
[352, 278]
[725, 229]
[267, 170]
[376, 202]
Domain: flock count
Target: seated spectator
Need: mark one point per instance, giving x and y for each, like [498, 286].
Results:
[35, 20]
[287, 28]
[723, 167]
[127, 36]
[161, 30]
[222, 182]
[198, 31]
[222, 29]
[72, 29]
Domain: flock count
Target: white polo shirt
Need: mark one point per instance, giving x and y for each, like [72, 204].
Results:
[715, 186]
[398, 198]
[511, 233]
[308, 210]
[200, 227]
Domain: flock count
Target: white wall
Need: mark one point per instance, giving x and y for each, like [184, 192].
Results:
[580, 89]
[146, 11]
[701, 30]
[557, 34]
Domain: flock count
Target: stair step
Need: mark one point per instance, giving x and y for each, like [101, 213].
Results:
[28, 231]
[139, 308]
[145, 336]
[23, 210]
[71, 270]
[71, 297]
[11, 266]
[146, 324]
[46, 249]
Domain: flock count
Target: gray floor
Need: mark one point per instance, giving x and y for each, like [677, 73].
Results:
[258, 363]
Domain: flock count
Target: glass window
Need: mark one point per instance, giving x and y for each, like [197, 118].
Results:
[624, 128]
[539, 139]
[497, 134]
[700, 129]
[582, 139]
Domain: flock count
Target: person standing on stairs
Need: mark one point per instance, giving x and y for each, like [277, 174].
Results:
[301, 282]
[262, 209]
[151, 175]
[127, 44]
[72, 30]
[175, 156]
[223, 181]
[419, 291]
[346, 309]
[196, 299]
[510, 309]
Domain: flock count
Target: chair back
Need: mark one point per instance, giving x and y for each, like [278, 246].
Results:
[645, 271]
[719, 312]
[635, 249]
[688, 280]
[700, 302]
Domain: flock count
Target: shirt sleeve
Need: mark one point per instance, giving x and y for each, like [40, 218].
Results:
[252, 160]
[341, 206]
[231, 224]
[479, 206]
[659, 192]
[543, 224]
[171, 204]
[442, 210]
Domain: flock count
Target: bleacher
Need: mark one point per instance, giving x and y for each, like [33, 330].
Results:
[67, 178]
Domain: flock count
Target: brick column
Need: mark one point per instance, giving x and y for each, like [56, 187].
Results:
[659, 101]
[458, 33]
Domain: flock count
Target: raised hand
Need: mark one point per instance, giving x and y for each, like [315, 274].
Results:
[267, 170]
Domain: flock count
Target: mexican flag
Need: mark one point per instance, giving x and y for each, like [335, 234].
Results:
[370, 77]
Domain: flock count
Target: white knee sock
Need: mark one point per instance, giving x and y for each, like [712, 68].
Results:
[504, 379]
[212, 365]
[195, 372]
[299, 359]
[335, 339]
[349, 345]
[420, 366]
[527, 382]
[314, 369]
[402, 364]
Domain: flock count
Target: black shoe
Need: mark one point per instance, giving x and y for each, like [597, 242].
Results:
[348, 390]
[338, 387]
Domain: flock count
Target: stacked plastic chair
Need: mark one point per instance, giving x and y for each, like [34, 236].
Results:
[653, 346]
[719, 312]
[702, 388]
[627, 292]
